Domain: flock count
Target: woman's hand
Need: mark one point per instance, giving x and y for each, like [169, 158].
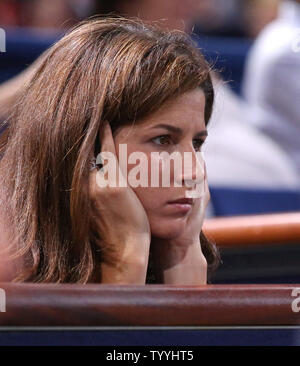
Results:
[180, 261]
[122, 224]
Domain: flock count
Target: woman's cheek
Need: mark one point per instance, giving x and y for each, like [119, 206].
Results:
[150, 198]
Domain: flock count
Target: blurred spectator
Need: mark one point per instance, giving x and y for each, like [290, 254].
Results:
[213, 17]
[84, 8]
[220, 18]
[256, 14]
[47, 14]
[237, 154]
[173, 14]
[62, 14]
[235, 18]
[9, 12]
[271, 85]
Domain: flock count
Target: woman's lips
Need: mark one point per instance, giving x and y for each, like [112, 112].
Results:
[182, 205]
[183, 200]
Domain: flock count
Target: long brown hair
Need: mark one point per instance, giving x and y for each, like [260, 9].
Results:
[111, 69]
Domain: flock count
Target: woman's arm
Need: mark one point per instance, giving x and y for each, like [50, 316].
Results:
[180, 264]
[130, 270]
[121, 223]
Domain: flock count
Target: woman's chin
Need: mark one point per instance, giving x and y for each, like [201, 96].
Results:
[167, 229]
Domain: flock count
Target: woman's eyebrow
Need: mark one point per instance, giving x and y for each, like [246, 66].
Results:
[178, 130]
[170, 128]
[202, 133]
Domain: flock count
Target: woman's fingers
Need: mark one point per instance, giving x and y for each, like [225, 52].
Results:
[109, 154]
[205, 171]
[207, 193]
[108, 151]
[206, 196]
[201, 203]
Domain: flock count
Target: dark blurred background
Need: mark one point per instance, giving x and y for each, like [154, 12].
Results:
[236, 18]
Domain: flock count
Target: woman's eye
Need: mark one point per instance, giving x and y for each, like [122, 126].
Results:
[162, 140]
[198, 144]
[167, 140]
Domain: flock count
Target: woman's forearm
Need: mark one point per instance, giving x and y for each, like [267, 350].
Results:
[130, 267]
[180, 264]
[127, 272]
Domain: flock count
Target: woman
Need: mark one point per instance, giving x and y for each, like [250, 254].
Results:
[107, 82]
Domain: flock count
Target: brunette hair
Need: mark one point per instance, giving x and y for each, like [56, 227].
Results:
[111, 69]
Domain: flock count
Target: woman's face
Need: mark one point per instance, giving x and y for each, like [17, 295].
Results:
[178, 126]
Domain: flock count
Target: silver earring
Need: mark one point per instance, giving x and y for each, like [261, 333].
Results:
[96, 164]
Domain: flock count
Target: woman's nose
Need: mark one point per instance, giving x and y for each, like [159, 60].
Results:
[193, 169]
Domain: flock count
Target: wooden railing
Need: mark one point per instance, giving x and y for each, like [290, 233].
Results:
[253, 230]
[150, 305]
